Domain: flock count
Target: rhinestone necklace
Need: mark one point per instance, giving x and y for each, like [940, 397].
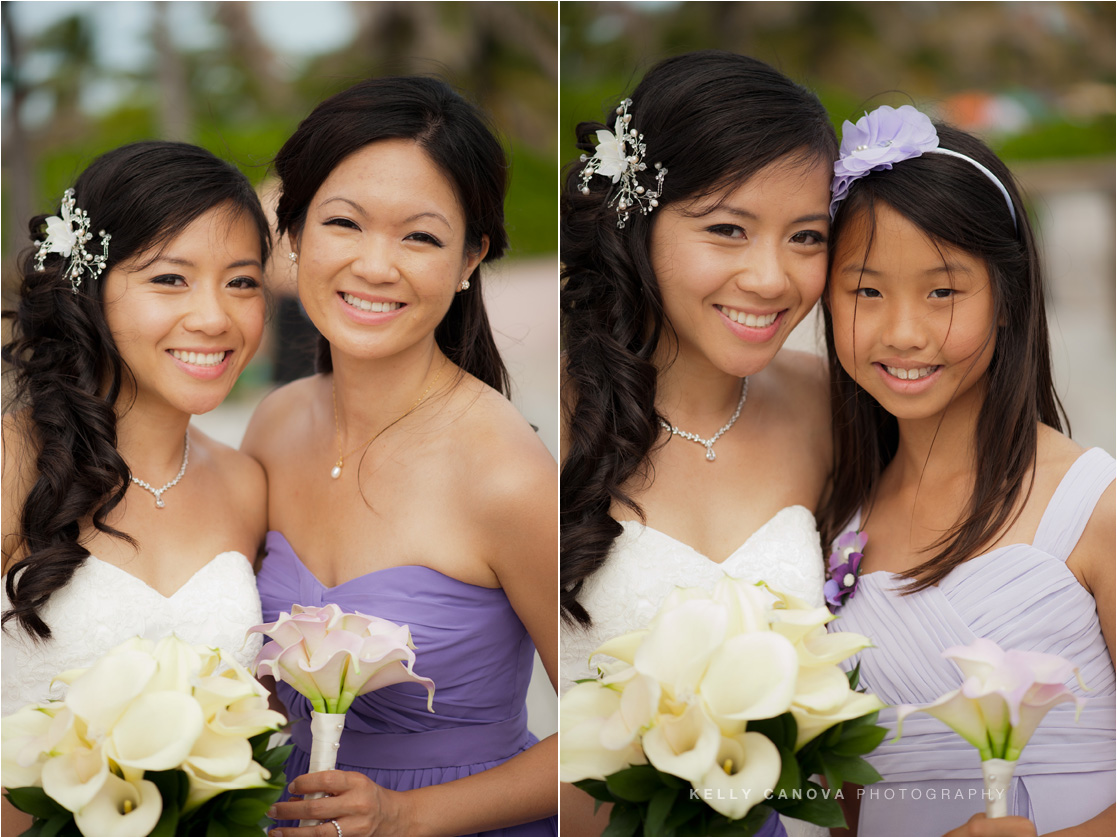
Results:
[158, 492]
[709, 443]
[335, 472]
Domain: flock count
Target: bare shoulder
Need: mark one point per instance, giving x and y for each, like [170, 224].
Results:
[504, 456]
[271, 422]
[18, 453]
[239, 478]
[235, 468]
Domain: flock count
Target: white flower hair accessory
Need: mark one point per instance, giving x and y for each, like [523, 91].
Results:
[888, 136]
[67, 236]
[620, 156]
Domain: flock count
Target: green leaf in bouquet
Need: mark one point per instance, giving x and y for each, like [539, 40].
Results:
[56, 826]
[685, 811]
[623, 821]
[274, 761]
[658, 809]
[854, 676]
[859, 740]
[667, 780]
[790, 776]
[595, 788]
[634, 784]
[216, 828]
[781, 730]
[816, 806]
[839, 769]
[34, 801]
[245, 811]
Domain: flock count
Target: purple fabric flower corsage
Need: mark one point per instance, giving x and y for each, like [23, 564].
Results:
[879, 139]
[845, 567]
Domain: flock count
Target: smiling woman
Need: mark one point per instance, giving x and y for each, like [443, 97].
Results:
[402, 483]
[139, 308]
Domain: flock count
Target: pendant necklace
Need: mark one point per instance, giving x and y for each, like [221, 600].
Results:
[335, 472]
[709, 443]
[158, 492]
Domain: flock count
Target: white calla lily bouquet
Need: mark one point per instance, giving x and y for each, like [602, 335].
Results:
[164, 738]
[718, 713]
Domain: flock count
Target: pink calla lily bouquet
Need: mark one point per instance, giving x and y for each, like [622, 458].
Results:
[1003, 698]
[332, 657]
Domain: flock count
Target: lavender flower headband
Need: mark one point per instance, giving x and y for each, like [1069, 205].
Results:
[887, 136]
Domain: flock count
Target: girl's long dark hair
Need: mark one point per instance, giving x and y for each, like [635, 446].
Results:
[952, 202]
[714, 119]
[454, 134]
[68, 374]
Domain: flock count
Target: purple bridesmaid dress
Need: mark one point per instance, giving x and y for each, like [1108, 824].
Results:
[468, 640]
[1020, 596]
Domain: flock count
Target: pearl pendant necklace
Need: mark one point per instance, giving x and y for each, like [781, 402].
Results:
[158, 492]
[709, 443]
[335, 472]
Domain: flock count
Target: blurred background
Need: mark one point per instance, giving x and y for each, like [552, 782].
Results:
[80, 78]
[1034, 80]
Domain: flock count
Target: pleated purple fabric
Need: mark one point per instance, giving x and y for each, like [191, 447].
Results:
[468, 640]
[1021, 596]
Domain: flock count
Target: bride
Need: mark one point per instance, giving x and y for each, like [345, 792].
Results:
[140, 307]
[693, 447]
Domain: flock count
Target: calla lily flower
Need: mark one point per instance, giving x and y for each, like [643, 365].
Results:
[75, 777]
[1003, 698]
[683, 745]
[105, 691]
[26, 737]
[157, 732]
[331, 657]
[583, 713]
[121, 809]
[204, 787]
[751, 676]
[747, 767]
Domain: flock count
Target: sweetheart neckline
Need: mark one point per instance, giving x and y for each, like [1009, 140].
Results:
[239, 555]
[735, 552]
[349, 581]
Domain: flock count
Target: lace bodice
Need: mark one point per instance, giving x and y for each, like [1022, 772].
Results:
[644, 565]
[103, 605]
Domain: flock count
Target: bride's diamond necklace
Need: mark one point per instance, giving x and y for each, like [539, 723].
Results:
[158, 492]
[709, 443]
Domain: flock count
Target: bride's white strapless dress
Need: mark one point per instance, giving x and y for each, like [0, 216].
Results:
[645, 565]
[103, 605]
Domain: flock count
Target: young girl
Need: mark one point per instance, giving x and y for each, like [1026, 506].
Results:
[140, 306]
[693, 446]
[982, 519]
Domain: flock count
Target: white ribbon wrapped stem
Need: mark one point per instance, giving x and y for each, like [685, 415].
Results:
[325, 732]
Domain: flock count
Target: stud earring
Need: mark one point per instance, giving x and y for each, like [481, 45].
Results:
[465, 285]
[293, 256]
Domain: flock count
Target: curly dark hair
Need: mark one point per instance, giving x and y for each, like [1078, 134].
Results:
[68, 374]
[714, 119]
[455, 135]
[955, 204]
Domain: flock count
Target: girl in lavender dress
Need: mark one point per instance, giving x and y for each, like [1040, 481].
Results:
[402, 483]
[982, 518]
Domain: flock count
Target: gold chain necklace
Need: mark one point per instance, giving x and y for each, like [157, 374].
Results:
[335, 472]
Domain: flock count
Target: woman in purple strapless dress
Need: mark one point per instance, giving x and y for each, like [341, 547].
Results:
[402, 482]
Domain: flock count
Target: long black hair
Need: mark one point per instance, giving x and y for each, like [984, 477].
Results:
[453, 132]
[954, 204]
[68, 373]
[712, 119]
